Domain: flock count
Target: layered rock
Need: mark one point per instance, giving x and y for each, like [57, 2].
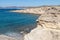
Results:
[48, 28]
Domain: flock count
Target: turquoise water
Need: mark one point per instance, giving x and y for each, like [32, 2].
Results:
[11, 21]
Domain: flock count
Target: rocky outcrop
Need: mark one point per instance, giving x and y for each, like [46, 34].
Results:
[48, 28]
[40, 10]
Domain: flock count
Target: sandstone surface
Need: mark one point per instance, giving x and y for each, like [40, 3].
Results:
[48, 27]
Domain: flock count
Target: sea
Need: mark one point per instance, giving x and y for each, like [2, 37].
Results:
[13, 23]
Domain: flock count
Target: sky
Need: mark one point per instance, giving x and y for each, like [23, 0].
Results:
[5, 3]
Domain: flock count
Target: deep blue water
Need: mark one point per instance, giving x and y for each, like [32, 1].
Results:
[11, 21]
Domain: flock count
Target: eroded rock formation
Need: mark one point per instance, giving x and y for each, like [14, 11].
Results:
[48, 28]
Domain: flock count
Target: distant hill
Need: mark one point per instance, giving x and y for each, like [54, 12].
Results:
[10, 7]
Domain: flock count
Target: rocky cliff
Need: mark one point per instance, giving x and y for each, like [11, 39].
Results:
[48, 26]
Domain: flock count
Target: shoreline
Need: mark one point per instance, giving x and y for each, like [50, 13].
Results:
[40, 10]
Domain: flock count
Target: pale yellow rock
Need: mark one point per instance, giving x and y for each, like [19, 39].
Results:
[40, 10]
[43, 34]
[48, 28]
[50, 20]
